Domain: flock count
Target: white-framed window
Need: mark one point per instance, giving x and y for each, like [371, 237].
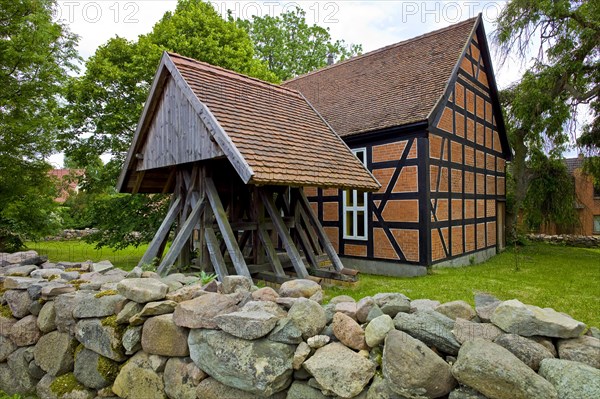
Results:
[596, 224]
[355, 207]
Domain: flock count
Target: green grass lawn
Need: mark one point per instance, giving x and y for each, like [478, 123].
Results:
[564, 278]
[78, 251]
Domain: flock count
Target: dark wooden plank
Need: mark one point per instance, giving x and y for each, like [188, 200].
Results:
[138, 182]
[333, 275]
[182, 238]
[327, 246]
[264, 267]
[161, 234]
[216, 258]
[228, 237]
[284, 234]
[312, 235]
[170, 179]
[266, 276]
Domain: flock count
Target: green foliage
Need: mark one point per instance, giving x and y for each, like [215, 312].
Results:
[206, 278]
[4, 395]
[65, 384]
[551, 194]
[291, 47]
[126, 220]
[542, 108]
[35, 58]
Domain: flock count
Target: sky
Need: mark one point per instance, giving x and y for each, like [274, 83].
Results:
[374, 24]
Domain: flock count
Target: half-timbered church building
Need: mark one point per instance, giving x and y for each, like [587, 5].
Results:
[262, 186]
[423, 115]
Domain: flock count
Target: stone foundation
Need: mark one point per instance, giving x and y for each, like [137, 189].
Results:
[87, 330]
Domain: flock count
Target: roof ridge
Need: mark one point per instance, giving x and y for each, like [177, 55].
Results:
[385, 48]
[235, 75]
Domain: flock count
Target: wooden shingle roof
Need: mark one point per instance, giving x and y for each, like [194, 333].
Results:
[271, 134]
[393, 86]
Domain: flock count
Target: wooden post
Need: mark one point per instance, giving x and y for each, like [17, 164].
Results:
[182, 238]
[230, 241]
[216, 257]
[161, 234]
[284, 234]
[327, 246]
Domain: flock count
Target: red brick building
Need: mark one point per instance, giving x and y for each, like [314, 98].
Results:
[423, 115]
[588, 198]
[67, 182]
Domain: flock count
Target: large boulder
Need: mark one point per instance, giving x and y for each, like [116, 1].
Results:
[65, 386]
[25, 332]
[299, 288]
[498, 374]
[138, 381]
[392, 303]
[161, 336]
[584, 349]
[54, 353]
[142, 290]
[527, 350]
[181, 377]
[463, 392]
[572, 380]
[485, 305]
[465, 330]
[247, 324]
[456, 309]
[261, 367]
[94, 370]
[19, 302]
[308, 316]
[102, 336]
[232, 284]
[348, 331]
[431, 327]
[200, 312]
[46, 319]
[210, 388]
[6, 347]
[377, 330]
[132, 339]
[528, 320]
[99, 304]
[15, 377]
[63, 307]
[412, 369]
[301, 390]
[363, 307]
[286, 332]
[340, 370]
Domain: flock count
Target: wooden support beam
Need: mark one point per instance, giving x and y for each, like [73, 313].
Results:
[161, 234]
[314, 240]
[284, 234]
[228, 237]
[216, 257]
[138, 182]
[303, 238]
[170, 179]
[272, 256]
[182, 238]
[327, 246]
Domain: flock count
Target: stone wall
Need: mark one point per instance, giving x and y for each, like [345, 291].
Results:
[567, 239]
[71, 330]
[71, 234]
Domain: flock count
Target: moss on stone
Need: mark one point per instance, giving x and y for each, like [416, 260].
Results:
[73, 269]
[77, 283]
[78, 349]
[106, 293]
[107, 368]
[110, 321]
[66, 383]
[53, 277]
[5, 311]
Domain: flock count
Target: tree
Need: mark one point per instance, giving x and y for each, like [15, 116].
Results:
[550, 195]
[36, 56]
[291, 47]
[542, 108]
[105, 104]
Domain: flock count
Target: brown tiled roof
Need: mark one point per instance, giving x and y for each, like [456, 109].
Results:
[278, 133]
[393, 86]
